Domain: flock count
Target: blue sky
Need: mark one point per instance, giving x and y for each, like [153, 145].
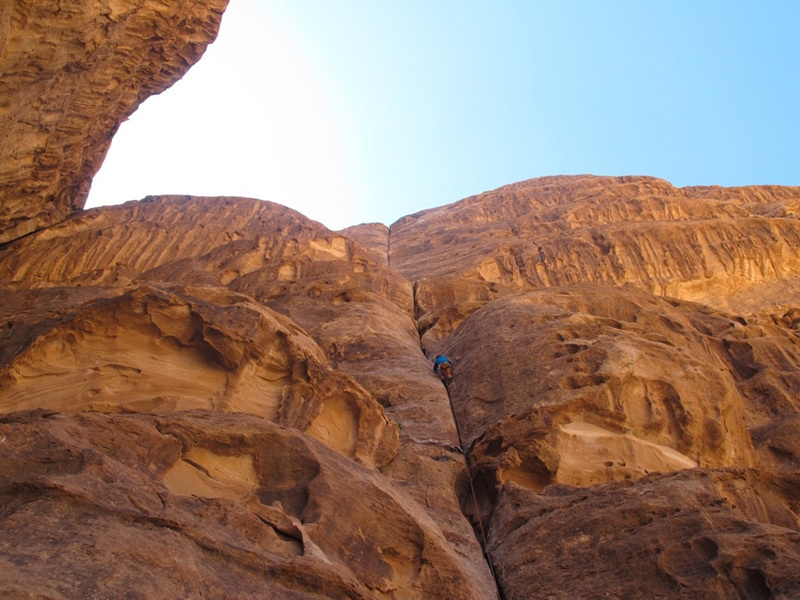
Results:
[355, 111]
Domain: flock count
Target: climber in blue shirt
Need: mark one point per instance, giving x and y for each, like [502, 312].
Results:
[443, 368]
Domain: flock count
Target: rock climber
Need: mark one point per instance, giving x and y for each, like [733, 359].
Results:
[443, 368]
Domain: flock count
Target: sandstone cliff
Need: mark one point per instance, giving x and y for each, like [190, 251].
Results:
[218, 397]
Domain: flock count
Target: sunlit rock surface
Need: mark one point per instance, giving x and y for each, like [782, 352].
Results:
[220, 398]
[737, 249]
[152, 351]
[582, 389]
[598, 420]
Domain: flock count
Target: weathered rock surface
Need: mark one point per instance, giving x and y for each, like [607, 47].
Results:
[737, 249]
[218, 397]
[372, 236]
[239, 306]
[562, 387]
[576, 405]
[597, 404]
[205, 504]
[72, 72]
[690, 534]
[157, 352]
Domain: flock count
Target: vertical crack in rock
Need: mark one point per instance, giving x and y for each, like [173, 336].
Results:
[587, 388]
[478, 529]
[482, 539]
[389, 253]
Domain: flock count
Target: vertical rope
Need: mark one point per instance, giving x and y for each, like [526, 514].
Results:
[485, 542]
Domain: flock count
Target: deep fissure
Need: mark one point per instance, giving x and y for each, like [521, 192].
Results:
[479, 530]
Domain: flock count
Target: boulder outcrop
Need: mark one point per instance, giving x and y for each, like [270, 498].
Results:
[218, 397]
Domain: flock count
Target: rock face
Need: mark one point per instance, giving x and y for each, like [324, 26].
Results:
[246, 313]
[690, 534]
[735, 249]
[218, 397]
[628, 378]
[72, 72]
[207, 504]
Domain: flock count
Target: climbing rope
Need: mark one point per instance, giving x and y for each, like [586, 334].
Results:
[485, 542]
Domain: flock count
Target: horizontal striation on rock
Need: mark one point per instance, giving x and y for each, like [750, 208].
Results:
[207, 241]
[717, 248]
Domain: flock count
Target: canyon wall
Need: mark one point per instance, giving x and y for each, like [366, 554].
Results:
[218, 397]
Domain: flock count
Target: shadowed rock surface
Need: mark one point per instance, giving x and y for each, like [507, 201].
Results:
[206, 504]
[691, 534]
[220, 398]
[72, 72]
